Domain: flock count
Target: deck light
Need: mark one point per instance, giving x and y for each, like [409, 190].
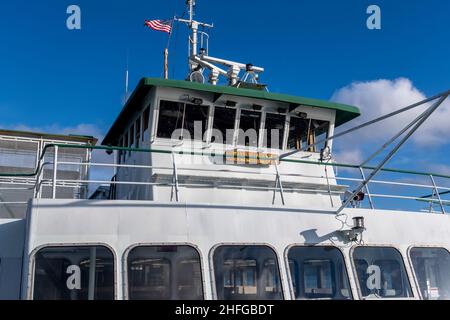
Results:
[197, 101]
[356, 231]
[257, 107]
[302, 115]
[230, 103]
[193, 100]
[358, 223]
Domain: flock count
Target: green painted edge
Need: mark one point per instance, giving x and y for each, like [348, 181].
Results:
[344, 113]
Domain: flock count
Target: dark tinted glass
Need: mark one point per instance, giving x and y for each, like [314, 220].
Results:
[318, 273]
[381, 273]
[432, 269]
[224, 119]
[247, 273]
[66, 273]
[274, 131]
[164, 273]
[182, 117]
[249, 125]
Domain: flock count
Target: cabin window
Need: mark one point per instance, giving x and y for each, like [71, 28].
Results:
[318, 273]
[66, 273]
[432, 270]
[145, 124]
[125, 145]
[120, 152]
[274, 131]
[223, 125]
[138, 131]
[246, 273]
[164, 273]
[182, 118]
[131, 136]
[249, 127]
[304, 132]
[381, 273]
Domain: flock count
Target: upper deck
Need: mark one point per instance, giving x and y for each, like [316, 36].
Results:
[189, 117]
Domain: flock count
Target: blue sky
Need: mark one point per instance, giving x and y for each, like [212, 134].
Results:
[50, 75]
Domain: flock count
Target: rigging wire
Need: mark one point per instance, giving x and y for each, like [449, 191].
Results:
[176, 32]
[368, 123]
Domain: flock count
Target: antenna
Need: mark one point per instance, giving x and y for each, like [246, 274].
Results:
[126, 80]
[199, 60]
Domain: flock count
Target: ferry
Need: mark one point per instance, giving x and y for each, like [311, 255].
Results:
[219, 192]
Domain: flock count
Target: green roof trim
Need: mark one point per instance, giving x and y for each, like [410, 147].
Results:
[344, 113]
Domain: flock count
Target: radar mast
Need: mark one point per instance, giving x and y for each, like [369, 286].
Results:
[200, 60]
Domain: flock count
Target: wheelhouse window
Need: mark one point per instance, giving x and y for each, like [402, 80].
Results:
[304, 132]
[381, 273]
[132, 136]
[138, 132]
[249, 127]
[246, 273]
[274, 131]
[145, 124]
[182, 118]
[67, 273]
[125, 145]
[223, 125]
[164, 273]
[318, 273]
[120, 152]
[432, 270]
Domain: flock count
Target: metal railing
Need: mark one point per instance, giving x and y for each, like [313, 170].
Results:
[436, 198]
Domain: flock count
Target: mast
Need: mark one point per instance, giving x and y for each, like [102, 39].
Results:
[199, 60]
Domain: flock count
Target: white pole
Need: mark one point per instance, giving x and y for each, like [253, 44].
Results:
[92, 266]
[126, 85]
[55, 169]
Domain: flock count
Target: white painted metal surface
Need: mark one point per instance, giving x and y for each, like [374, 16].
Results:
[122, 224]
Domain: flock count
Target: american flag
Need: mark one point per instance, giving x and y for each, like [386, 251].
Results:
[159, 25]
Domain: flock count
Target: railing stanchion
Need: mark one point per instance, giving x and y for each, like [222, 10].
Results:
[279, 183]
[175, 177]
[369, 196]
[55, 169]
[436, 190]
[329, 186]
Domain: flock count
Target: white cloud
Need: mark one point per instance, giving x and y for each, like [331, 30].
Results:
[80, 129]
[380, 97]
[354, 156]
[440, 168]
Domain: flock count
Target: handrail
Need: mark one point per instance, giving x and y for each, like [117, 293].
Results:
[212, 154]
[54, 183]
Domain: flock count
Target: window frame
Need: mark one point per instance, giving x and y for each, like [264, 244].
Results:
[127, 251]
[138, 131]
[211, 127]
[238, 127]
[329, 129]
[344, 258]
[154, 130]
[285, 130]
[411, 266]
[145, 122]
[32, 263]
[236, 244]
[405, 266]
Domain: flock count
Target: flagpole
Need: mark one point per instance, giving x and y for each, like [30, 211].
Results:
[166, 52]
[166, 63]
